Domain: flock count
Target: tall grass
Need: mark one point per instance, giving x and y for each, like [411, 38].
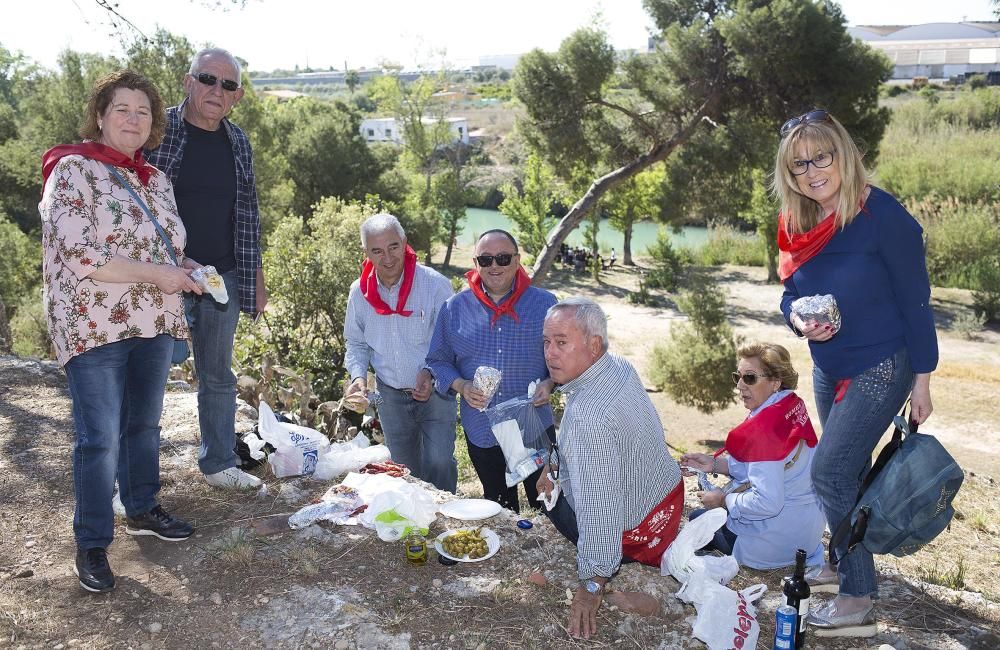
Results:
[727, 245]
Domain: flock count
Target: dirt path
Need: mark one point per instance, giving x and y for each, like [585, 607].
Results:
[241, 582]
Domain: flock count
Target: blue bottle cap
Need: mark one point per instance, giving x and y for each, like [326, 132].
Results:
[524, 524]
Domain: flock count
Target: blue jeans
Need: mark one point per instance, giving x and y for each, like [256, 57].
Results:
[852, 429]
[212, 334]
[421, 435]
[117, 392]
[724, 540]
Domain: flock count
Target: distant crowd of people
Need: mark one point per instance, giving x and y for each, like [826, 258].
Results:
[579, 259]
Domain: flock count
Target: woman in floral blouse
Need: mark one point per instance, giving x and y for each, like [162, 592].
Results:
[114, 307]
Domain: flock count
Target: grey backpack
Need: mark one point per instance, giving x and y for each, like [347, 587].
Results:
[905, 499]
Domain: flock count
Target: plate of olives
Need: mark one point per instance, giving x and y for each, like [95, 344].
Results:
[467, 544]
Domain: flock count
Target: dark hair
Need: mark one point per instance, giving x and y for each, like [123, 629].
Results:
[104, 91]
[498, 231]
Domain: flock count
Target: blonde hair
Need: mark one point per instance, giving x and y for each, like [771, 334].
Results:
[776, 361]
[801, 212]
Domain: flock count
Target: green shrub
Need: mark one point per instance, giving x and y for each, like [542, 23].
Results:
[667, 264]
[968, 324]
[29, 328]
[693, 368]
[940, 159]
[986, 296]
[976, 81]
[962, 240]
[20, 264]
[727, 245]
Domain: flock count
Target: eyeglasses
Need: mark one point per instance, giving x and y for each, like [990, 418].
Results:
[815, 115]
[821, 161]
[210, 79]
[749, 378]
[503, 259]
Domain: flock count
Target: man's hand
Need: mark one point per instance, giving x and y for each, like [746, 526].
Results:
[712, 498]
[544, 485]
[703, 462]
[542, 392]
[583, 613]
[475, 397]
[261, 292]
[424, 385]
[358, 387]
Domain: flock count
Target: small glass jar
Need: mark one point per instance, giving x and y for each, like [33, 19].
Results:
[416, 549]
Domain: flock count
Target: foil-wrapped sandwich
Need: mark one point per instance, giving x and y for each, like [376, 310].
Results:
[487, 381]
[211, 283]
[822, 309]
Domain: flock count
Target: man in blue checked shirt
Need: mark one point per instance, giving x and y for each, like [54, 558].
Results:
[496, 322]
[210, 163]
[391, 311]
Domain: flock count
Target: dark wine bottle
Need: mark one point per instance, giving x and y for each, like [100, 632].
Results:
[796, 591]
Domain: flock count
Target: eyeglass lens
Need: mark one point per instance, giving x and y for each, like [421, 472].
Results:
[210, 79]
[503, 259]
[749, 378]
[821, 161]
[816, 115]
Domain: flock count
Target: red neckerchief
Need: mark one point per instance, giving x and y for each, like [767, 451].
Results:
[794, 249]
[647, 542]
[772, 433]
[521, 284]
[369, 285]
[101, 153]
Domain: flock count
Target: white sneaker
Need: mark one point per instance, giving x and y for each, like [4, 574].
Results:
[233, 479]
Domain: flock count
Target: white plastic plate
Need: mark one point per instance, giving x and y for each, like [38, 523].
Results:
[470, 509]
[492, 545]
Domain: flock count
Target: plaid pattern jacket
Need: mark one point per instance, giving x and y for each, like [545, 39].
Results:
[246, 213]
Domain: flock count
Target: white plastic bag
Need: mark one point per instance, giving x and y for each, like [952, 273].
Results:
[296, 449]
[726, 618]
[680, 561]
[394, 512]
[211, 283]
[344, 457]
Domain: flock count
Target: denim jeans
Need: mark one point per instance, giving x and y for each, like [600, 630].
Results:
[421, 435]
[852, 429]
[563, 517]
[212, 334]
[117, 392]
[724, 540]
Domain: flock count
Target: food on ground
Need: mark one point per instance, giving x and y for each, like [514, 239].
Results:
[464, 543]
[387, 467]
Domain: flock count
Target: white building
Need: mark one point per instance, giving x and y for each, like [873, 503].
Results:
[935, 50]
[385, 129]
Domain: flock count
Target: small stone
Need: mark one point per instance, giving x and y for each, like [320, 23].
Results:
[58, 646]
[146, 646]
[155, 628]
[537, 578]
[437, 583]
[342, 645]
[635, 602]
[265, 599]
[216, 598]
[29, 543]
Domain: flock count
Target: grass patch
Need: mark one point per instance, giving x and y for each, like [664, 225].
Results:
[953, 578]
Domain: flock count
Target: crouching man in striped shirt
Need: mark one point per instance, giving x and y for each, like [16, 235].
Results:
[621, 494]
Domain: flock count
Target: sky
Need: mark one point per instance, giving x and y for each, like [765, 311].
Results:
[280, 34]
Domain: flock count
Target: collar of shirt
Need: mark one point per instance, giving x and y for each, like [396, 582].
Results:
[588, 375]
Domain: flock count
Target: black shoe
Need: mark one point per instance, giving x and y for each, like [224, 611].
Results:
[94, 571]
[159, 523]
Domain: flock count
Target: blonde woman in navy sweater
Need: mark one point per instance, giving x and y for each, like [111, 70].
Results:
[840, 235]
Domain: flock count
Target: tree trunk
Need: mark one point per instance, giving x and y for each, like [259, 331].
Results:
[451, 243]
[6, 341]
[600, 187]
[627, 247]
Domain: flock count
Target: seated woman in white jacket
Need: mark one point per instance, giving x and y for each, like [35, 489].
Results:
[773, 510]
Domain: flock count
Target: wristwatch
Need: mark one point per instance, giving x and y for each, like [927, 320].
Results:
[593, 587]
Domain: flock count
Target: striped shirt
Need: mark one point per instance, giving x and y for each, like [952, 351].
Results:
[246, 213]
[464, 339]
[615, 465]
[395, 346]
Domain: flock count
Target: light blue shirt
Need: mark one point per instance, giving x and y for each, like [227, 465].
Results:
[394, 345]
[779, 513]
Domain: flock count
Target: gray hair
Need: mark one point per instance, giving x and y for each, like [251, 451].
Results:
[589, 317]
[378, 224]
[216, 52]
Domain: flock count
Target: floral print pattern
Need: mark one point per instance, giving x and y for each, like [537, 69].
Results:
[88, 218]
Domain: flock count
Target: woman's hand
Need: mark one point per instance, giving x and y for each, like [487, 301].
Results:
[920, 398]
[812, 330]
[172, 279]
[703, 462]
[712, 498]
[542, 392]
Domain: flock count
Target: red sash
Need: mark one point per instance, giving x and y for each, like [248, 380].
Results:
[646, 542]
[772, 433]
[794, 249]
[99, 152]
[369, 285]
[521, 284]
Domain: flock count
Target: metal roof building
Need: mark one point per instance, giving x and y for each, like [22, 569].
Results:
[935, 50]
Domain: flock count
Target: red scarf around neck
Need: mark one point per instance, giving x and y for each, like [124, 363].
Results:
[521, 284]
[772, 433]
[101, 153]
[369, 285]
[796, 249]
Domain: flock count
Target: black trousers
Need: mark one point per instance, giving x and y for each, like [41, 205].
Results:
[491, 467]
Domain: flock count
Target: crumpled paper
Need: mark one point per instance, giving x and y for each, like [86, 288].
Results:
[211, 283]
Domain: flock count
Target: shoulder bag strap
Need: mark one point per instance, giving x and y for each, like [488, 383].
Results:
[145, 208]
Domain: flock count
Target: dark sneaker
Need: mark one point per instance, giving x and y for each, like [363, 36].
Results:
[159, 523]
[94, 571]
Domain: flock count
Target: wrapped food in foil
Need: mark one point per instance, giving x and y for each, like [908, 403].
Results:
[487, 381]
[822, 309]
[211, 283]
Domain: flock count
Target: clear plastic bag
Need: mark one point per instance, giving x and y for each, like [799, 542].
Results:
[518, 427]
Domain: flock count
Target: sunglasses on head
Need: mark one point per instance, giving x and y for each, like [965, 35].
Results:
[503, 259]
[815, 115]
[748, 378]
[210, 79]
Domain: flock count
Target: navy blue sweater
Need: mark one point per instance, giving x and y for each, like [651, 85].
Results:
[875, 269]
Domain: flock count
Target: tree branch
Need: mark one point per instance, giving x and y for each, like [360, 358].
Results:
[635, 117]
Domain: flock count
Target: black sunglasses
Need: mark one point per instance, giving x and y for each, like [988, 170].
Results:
[503, 259]
[210, 79]
[815, 115]
[749, 378]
